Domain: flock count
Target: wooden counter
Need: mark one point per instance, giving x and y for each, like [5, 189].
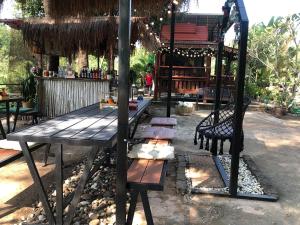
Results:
[58, 96]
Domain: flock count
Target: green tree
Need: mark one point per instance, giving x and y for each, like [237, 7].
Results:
[20, 58]
[139, 62]
[4, 52]
[273, 65]
[31, 8]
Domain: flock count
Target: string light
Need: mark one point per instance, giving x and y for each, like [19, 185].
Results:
[190, 53]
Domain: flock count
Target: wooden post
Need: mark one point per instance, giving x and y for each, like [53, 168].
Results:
[171, 59]
[239, 98]
[123, 95]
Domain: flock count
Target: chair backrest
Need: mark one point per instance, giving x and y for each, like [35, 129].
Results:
[229, 109]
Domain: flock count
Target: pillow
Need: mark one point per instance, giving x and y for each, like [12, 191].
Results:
[149, 151]
[14, 145]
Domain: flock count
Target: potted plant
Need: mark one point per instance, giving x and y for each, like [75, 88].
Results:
[28, 91]
[282, 99]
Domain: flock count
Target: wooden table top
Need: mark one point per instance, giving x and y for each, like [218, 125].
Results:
[86, 126]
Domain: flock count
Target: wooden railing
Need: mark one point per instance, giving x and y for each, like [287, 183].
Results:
[188, 80]
[185, 71]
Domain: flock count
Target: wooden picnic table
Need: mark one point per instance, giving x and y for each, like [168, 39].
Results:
[7, 100]
[88, 126]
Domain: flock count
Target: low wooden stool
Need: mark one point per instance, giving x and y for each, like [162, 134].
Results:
[163, 122]
[144, 175]
[161, 133]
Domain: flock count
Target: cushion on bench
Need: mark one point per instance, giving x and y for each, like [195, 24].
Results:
[150, 151]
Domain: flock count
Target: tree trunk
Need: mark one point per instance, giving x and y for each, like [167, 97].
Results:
[46, 7]
[82, 58]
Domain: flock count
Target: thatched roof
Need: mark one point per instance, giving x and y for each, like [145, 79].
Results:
[66, 36]
[58, 8]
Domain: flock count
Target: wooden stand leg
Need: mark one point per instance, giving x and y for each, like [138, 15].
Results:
[133, 200]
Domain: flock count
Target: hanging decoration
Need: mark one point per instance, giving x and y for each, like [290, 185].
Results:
[190, 52]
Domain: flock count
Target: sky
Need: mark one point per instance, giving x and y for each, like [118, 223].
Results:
[257, 10]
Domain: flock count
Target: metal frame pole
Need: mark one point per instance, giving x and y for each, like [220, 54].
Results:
[240, 83]
[171, 59]
[218, 89]
[123, 98]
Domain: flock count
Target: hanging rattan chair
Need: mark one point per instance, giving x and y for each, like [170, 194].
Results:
[223, 130]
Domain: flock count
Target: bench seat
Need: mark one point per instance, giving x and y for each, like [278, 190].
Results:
[11, 151]
[163, 121]
[144, 175]
[162, 133]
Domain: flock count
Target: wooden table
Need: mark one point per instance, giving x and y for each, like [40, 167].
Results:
[7, 101]
[88, 126]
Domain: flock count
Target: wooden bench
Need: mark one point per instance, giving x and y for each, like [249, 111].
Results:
[163, 122]
[11, 151]
[144, 175]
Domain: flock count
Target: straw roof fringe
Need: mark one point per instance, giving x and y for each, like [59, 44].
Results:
[95, 35]
[58, 8]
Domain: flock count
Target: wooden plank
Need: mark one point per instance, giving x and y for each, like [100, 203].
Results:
[136, 170]
[158, 142]
[162, 142]
[58, 120]
[163, 121]
[102, 136]
[85, 124]
[5, 153]
[97, 127]
[153, 172]
[110, 131]
[159, 133]
[57, 127]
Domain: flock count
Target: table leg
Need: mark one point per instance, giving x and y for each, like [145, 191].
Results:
[16, 116]
[135, 127]
[2, 130]
[7, 117]
[80, 187]
[59, 184]
[146, 207]
[133, 196]
[37, 181]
